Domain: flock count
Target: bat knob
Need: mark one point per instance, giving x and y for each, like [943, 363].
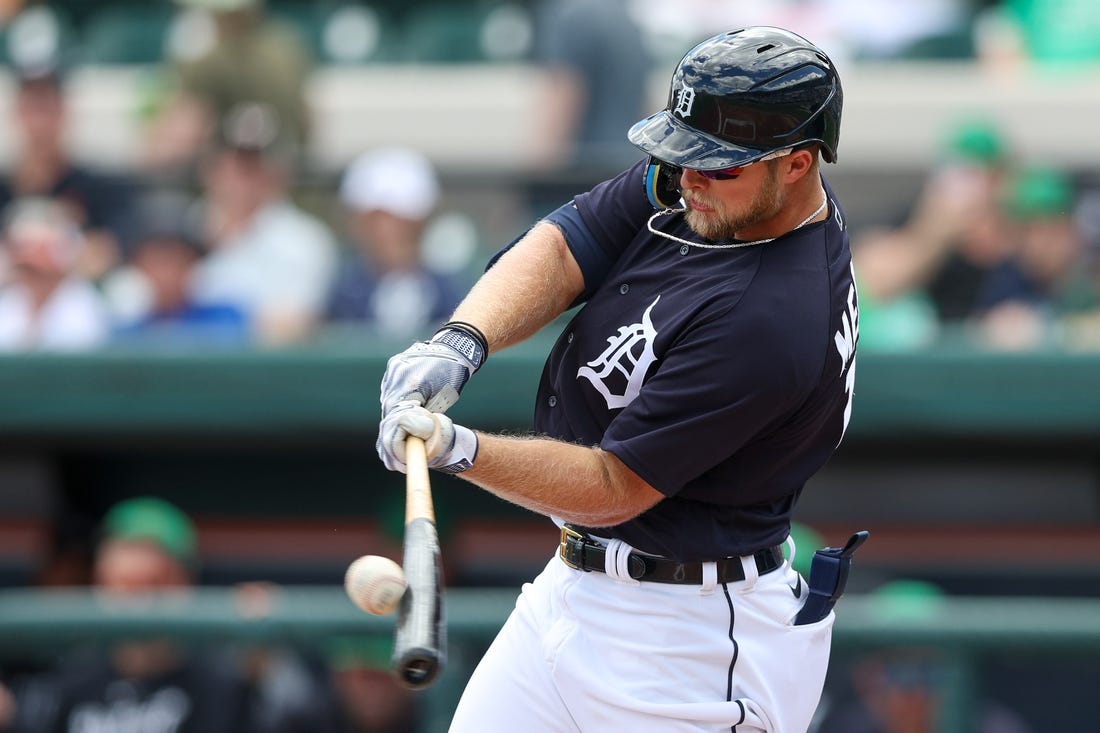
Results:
[418, 669]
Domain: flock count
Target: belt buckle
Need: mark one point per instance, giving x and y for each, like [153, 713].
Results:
[568, 533]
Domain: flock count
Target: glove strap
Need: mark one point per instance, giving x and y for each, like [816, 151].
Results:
[466, 339]
[463, 452]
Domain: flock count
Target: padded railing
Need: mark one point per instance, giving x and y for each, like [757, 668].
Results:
[963, 630]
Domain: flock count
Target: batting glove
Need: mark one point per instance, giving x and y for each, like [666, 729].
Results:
[450, 448]
[433, 373]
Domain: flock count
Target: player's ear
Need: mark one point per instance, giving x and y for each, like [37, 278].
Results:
[798, 164]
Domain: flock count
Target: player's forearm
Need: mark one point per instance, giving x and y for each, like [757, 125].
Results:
[527, 288]
[579, 484]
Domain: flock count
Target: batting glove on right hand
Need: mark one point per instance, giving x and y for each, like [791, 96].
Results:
[450, 448]
[433, 373]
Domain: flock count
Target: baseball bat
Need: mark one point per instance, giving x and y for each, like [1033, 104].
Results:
[419, 650]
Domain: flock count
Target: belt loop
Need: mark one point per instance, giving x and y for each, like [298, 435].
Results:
[792, 548]
[752, 574]
[616, 561]
[710, 578]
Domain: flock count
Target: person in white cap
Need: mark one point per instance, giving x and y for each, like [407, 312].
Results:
[389, 195]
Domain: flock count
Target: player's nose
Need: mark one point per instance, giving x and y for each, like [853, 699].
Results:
[692, 179]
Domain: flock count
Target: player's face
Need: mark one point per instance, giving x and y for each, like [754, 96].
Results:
[719, 209]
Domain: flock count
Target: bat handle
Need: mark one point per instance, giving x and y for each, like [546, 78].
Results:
[421, 630]
[418, 496]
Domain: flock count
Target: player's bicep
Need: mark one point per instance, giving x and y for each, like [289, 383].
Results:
[539, 268]
[592, 260]
[561, 262]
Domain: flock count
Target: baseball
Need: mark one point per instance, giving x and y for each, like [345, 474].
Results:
[375, 584]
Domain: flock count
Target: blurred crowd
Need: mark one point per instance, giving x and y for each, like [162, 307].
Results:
[996, 252]
[148, 548]
[211, 241]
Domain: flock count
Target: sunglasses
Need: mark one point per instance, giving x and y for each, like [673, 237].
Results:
[728, 174]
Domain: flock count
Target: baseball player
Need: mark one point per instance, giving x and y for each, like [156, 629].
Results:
[707, 376]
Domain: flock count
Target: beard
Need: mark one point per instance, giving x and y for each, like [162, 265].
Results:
[720, 224]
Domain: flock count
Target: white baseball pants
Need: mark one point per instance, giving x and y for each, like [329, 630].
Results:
[588, 652]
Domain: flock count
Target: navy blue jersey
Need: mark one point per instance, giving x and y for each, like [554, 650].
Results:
[721, 376]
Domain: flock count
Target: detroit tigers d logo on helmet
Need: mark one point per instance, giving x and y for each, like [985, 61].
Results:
[740, 95]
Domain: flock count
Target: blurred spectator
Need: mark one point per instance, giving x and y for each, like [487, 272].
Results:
[844, 29]
[934, 267]
[8, 9]
[926, 29]
[230, 52]
[269, 258]
[152, 296]
[1012, 33]
[99, 204]
[596, 67]
[290, 690]
[372, 699]
[45, 303]
[146, 546]
[1050, 284]
[388, 196]
[903, 689]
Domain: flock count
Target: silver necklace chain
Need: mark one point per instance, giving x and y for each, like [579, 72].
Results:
[732, 245]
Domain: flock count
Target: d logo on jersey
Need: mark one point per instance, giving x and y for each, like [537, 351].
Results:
[619, 372]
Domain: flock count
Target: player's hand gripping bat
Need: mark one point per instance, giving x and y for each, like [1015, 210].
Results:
[421, 636]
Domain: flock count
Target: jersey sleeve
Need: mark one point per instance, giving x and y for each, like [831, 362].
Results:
[616, 210]
[600, 224]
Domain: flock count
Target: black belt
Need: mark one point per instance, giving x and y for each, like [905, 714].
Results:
[583, 553]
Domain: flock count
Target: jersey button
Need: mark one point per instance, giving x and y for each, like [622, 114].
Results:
[684, 249]
[569, 338]
[552, 400]
[624, 289]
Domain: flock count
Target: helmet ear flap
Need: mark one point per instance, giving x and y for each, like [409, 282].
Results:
[662, 184]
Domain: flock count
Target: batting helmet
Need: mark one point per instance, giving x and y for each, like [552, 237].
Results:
[741, 95]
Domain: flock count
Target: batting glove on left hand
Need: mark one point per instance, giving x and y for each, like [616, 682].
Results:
[450, 448]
